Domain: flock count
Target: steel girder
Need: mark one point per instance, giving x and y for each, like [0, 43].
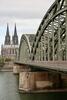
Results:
[51, 38]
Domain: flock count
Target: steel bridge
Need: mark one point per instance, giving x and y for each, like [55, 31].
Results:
[49, 48]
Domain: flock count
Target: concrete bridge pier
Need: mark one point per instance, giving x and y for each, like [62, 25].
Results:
[17, 68]
[31, 81]
[39, 80]
[26, 81]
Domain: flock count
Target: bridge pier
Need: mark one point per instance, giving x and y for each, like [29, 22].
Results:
[31, 81]
[26, 81]
[17, 68]
[39, 80]
[56, 79]
[64, 81]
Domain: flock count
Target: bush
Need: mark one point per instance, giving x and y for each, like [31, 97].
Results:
[7, 59]
[1, 61]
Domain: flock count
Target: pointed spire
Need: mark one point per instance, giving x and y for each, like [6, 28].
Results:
[15, 31]
[15, 37]
[7, 31]
[7, 37]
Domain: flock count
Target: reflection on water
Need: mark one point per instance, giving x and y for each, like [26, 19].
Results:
[9, 90]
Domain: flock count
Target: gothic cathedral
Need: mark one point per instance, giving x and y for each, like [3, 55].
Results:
[10, 47]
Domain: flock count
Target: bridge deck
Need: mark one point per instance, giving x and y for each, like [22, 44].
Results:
[59, 66]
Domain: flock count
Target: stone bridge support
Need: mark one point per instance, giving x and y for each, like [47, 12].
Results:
[31, 81]
[40, 80]
[17, 68]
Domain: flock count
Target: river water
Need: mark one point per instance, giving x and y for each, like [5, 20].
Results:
[9, 90]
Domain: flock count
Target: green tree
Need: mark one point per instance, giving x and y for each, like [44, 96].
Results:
[1, 61]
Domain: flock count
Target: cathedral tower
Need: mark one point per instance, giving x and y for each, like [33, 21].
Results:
[15, 37]
[7, 37]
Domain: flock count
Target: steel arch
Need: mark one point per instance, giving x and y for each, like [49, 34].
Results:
[57, 14]
[25, 39]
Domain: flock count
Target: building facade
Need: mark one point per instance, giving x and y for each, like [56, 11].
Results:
[10, 47]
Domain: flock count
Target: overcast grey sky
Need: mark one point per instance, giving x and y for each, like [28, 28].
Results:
[24, 8]
[27, 14]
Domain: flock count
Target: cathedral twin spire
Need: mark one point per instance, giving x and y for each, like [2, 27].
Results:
[7, 37]
[14, 38]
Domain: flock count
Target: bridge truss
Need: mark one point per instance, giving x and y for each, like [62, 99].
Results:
[50, 42]
[49, 49]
